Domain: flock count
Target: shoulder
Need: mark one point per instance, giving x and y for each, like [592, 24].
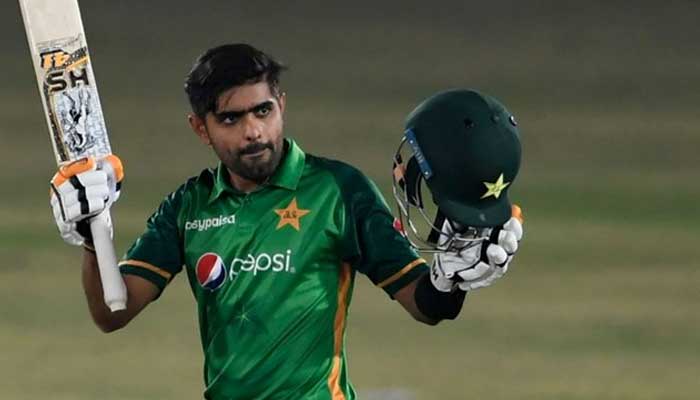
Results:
[347, 176]
[193, 188]
[204, 180]
[353, 185]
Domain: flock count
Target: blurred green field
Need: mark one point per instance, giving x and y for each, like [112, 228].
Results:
[602, 300]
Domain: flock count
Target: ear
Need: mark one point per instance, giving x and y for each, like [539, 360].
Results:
[199, 127]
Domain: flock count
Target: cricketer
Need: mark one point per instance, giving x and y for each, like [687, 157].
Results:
[272, 238]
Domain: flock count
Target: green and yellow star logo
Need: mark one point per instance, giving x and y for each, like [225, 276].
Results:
[291, 215]
[495, 189]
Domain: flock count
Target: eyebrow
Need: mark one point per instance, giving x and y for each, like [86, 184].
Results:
[236, 114]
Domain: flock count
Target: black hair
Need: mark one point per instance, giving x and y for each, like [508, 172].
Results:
[223, 67]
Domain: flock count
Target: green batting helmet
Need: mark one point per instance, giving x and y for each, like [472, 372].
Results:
[466, 147]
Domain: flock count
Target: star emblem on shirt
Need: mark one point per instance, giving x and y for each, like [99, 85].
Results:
[495, 189]
[290, 215]
[245, 317]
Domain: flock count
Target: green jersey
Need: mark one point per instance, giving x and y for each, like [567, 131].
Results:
[273, 272]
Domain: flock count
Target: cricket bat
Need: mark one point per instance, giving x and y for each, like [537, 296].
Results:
[74, 115]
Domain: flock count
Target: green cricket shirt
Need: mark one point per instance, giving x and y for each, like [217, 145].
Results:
[273, 272]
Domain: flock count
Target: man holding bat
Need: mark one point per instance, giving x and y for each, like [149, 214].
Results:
[272, 238]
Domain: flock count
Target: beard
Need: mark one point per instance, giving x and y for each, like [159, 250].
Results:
[256, 168]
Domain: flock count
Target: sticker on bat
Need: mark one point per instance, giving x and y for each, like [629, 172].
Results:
[81, 122]
[65, 70]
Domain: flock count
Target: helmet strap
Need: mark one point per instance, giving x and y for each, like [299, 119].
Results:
[435, 233]
[413, 178]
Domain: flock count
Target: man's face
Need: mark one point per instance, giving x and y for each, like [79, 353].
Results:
[245, 130]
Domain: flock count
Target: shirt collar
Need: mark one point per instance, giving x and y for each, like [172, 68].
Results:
[286, 176]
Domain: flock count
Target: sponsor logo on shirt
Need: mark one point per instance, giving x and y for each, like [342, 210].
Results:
[204, 224]
[211, 272]
[263, 262]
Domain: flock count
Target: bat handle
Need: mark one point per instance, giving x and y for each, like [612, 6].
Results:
[113, 286]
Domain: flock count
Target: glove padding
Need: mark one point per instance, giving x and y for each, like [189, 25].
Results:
[78, 198]
[480, 264]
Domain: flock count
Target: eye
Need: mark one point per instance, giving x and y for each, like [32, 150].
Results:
[228, 119]
[263, 111]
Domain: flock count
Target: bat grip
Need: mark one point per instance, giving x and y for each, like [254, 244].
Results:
[113, 286]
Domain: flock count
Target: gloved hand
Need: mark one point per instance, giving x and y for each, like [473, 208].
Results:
[81, 191]
[480, 263]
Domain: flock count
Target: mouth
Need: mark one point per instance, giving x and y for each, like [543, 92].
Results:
[256, 154]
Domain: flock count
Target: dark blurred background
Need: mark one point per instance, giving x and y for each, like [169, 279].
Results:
[601, 300]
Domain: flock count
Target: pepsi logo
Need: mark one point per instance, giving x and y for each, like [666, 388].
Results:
[211, 272]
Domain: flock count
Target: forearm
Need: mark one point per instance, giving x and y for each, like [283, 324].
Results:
[428, 305]
[437, 305]
[105, 319]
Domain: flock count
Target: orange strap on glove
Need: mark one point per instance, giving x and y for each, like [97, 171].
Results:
[81, 190]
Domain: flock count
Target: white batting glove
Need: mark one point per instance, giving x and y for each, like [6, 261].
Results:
[480, 264]
[78, 194]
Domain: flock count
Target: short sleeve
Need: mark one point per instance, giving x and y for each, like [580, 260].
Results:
[371, 242]
[157, 254]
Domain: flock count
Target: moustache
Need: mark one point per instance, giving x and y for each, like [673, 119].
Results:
[256, 147]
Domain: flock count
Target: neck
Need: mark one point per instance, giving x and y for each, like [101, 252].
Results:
[243, 184]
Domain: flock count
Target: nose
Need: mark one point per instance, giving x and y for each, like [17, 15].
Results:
[253, 128]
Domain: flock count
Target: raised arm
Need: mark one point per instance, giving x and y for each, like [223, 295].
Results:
[440, 293]
[75, 199]
[140, 292]
[406, 296]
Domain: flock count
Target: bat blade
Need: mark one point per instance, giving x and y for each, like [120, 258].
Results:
[73, 112]
[66, 79]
